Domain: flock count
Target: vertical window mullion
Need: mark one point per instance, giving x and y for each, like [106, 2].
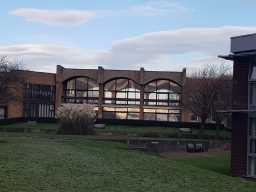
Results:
[75, 91]
[115, 91]
[127, 93]
[156, 90]
[87, 92]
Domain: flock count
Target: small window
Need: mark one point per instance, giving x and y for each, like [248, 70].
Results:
[2, 113]
[253, 74]
[253, 94]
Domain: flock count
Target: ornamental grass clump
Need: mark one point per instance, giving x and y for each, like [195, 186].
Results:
[76, 119]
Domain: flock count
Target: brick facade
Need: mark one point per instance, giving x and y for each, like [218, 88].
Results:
[15, 109]
[101, 76]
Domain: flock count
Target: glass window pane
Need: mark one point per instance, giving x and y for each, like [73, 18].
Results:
[249, 169]
[151, 87]
[109, 115]
[93, 94]
[81, 83]
[109, 86]
[254, 166]
[175, 88]
[121, 95]
[253, 94]
[133, 116]
[253, 74]
[162, 110]
[163, 85]
[121, 84]
[121, 109]
[149, 110]
[92, 85]
[150, 116]
[2, 113]
[120, 115]
[162, 117]
[162, 96]
[109, 109]
[174, 117]
[81, 94]
[133, 109]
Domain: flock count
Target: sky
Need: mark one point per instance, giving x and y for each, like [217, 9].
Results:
[163, 35]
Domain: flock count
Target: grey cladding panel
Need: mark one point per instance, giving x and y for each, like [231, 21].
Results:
[243, 43]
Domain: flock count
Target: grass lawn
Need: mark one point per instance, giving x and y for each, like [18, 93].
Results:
[34, 162]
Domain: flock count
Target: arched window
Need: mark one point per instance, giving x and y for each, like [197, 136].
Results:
[81, 90]
[121, 92]
[162, 93]
[118, 92]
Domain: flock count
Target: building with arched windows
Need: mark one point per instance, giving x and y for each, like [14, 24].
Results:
[116, 94]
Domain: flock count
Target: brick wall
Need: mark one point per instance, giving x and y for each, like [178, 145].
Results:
[15, 108]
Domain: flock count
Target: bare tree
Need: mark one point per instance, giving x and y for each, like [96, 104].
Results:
[206, 92]
[10, 80]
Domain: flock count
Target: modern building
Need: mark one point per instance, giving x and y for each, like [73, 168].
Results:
[116, 94]
[243, 156]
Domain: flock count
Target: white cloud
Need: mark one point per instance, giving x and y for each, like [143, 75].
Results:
[54, 17]
[149, 8]
[164, 50]
[78, 17]
[171, 49]
[158, 8]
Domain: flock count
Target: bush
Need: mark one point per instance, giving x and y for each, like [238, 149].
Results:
[76, 119]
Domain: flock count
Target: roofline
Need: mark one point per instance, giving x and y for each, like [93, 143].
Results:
[105, 69]
[29, 71]
[243, 35]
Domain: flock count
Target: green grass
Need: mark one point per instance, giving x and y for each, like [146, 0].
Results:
[32, 162]
[219, 163]
[30, 125]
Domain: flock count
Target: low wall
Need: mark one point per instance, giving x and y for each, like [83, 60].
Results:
[192, 125]
[165, 145]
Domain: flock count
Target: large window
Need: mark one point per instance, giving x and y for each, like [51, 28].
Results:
[121, 92]
[121, 113]
[39, 101]
[252, 94]
[2, 112]
[252, 147]
[43, 92]
[162, 93]
[122, 98]
[251, 160]
[161, 114]
[39, 110]
[81, 90]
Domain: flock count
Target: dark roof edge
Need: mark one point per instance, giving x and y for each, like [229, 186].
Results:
[243, 35]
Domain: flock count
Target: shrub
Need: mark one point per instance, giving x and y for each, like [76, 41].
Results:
[76, 119]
